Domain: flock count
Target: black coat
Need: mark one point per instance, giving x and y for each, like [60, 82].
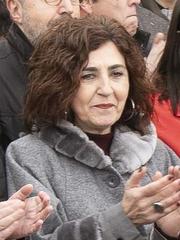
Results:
[15, 50]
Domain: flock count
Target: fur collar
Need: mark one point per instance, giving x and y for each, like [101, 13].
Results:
[130, 149]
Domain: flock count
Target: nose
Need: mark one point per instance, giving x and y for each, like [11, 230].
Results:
[137, 2]
[65, 6]
[104, 87]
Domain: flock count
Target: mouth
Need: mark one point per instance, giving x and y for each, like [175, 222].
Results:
[104, 105]
[132, 15]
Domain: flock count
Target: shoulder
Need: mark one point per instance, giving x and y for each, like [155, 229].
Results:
[5, 48]
[165, 155]
[29, 148]
[151, 22]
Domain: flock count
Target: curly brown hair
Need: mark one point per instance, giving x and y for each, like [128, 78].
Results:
[58, 59]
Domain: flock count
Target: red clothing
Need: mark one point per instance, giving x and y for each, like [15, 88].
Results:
[168, 125]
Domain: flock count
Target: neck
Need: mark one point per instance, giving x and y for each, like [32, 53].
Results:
[166, 3]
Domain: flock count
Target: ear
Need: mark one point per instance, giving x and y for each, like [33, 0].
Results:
[15, 10]
[86, 7]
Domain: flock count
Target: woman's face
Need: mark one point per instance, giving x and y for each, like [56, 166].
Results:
[104, 87]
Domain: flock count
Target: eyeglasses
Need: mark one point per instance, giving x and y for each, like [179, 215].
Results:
[53, 2]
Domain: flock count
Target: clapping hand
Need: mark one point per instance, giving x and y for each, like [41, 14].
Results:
[140, 202]
[21, 216]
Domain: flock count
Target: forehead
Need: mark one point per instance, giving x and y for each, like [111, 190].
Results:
[100, 56]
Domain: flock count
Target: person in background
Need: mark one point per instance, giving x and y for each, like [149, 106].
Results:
[90, 137]
[152, 25]
[30, 18]
[162, 8]
[21, 216]
[167, 82]
[5, 20]
[125, 12]
[131, 16]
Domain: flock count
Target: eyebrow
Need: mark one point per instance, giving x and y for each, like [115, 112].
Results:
[94, 69]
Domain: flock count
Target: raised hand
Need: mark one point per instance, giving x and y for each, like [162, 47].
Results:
[21, 216]
[138, 201]
[10, 212]
[36, 210]
[170, 224]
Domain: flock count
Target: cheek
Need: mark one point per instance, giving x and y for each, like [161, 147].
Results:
[122, 94]
[80, 103]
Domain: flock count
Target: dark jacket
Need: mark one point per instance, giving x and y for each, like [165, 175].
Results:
[154, 7]
[151, 24]
[15, 50]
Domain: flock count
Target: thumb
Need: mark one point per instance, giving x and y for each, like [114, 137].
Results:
[23, 192]
[134, 180]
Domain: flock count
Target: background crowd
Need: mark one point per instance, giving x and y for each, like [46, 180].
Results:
[90, 119]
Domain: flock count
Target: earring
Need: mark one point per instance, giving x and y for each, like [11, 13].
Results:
[65, 115]
[132, 111]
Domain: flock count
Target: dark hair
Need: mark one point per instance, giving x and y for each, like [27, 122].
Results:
[58, 59]
[167, 75]
[5, 20]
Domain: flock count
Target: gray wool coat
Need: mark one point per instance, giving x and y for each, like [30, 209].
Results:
[85, 186]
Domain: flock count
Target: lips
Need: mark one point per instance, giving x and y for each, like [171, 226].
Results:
[104, 105]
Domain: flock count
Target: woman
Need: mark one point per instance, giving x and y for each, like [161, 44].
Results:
[167, 82]
[21, 216]
[87, 138]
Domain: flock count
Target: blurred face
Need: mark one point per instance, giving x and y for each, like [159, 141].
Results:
[123, 11]
[104, 87]
[35, 15]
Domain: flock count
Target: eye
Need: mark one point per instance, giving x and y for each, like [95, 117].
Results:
[117, 74]
[88, 76]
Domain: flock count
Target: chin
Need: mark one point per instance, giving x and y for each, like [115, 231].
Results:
[104, 127]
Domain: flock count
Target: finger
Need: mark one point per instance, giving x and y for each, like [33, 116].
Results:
[40, 219]
[43, 215]
[156, 186]
[135, 178]
[171, 203]
[157, 176]
[23, 192]
[177, 172]
[171, 170]
[44, 198]
[165, 193]
[36, 227]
